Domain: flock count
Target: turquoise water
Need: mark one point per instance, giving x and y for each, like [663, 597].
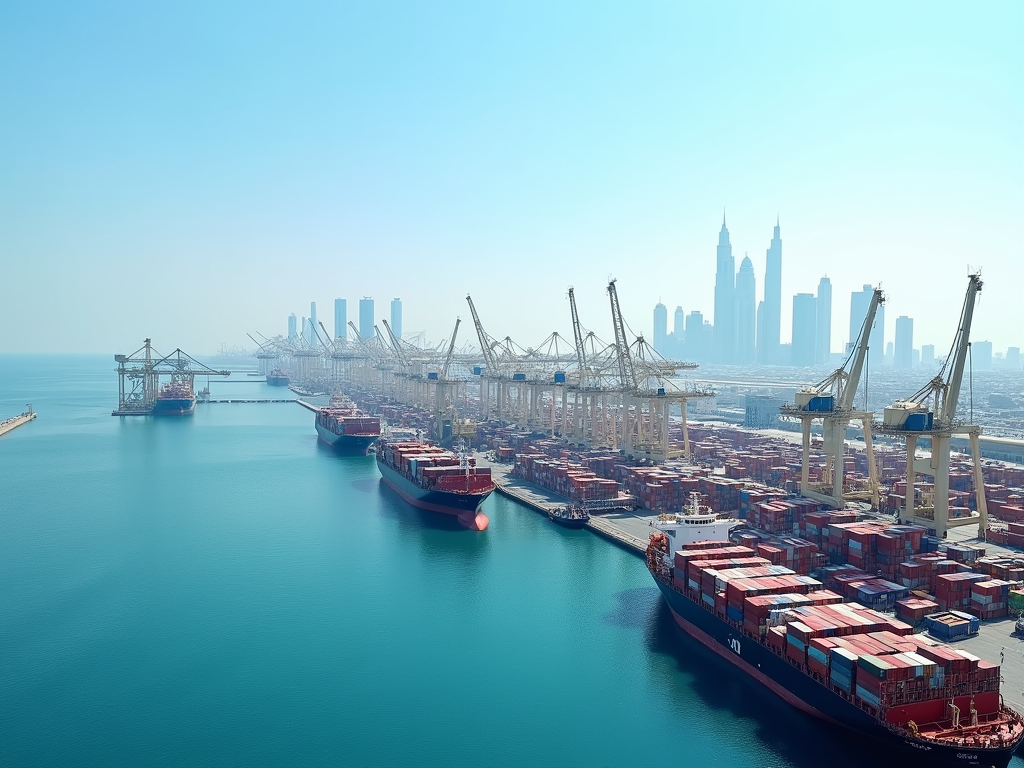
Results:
[221, 590]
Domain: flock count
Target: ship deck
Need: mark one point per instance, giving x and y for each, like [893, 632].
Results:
[631, 530]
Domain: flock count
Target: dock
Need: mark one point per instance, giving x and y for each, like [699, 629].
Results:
[7, 425]
[622, 527]
[308, 406]
[249, 400]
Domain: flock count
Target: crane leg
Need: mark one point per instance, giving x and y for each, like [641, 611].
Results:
[979, 485]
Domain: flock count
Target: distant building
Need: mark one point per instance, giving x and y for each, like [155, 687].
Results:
[805, 319]
[366, 318]
[761, 411]
[699, 336]
[340, 319]
[746, 313]
[904, 350]
[981, 355]
[724, 333]
[312, 319]
[915, 358]
[888, 354]
[859, 303]
[927, 354]
[770, 333]
[293, 327]
[1013, 358]
[660, 328]
[823, 328]
[305, 329]
[396, 317]
[679, 331]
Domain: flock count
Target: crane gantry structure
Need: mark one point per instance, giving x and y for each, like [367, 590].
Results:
[931, 413]
[832, 402]
[139, 374]
[649, 388]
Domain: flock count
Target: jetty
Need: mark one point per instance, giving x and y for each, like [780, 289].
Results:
[626, 528]
[7, 425]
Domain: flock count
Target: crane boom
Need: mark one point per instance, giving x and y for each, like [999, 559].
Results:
[490, 360]
[627, 373]
[394, 344]
[848, 389]
[328, 349]
[577, 335]
[451, 350]
[958, 354]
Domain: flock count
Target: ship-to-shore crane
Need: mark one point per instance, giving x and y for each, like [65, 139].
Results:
[931, 412]
[832, 402]
[648, 392]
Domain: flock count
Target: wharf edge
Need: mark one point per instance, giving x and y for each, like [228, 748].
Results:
[533, 496]
[9, 425]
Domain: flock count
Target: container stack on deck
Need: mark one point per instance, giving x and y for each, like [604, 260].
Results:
[844, 644]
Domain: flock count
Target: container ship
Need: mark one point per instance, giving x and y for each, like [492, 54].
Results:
[433, 478]
[175, 399]
[924, 702]
[346, 428]
[278, 378]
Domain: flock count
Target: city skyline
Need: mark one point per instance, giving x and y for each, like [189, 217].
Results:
[273, 173]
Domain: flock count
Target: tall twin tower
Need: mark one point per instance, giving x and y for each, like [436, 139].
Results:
[743, 334]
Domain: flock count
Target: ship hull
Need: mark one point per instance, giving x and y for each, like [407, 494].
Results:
[568, 522]
[807, 694]
[277, 381]
[463, 506]
[354, 444]
[174, 406]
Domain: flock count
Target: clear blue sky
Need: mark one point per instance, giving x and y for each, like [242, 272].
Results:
[192, 171]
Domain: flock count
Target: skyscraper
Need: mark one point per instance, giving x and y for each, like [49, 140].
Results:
[823, 331]
[746, 312]
[904, 343]
[1013, 358]
[698, 337]
[660, 327]
[679, 334]
[396, 317]
[340, 319]
[293, 327]
[805, 318]
[312, 318]
[859, 303]
[771, 315]
[927, 354]
[981, 355]
[725, 309]
[366, 318]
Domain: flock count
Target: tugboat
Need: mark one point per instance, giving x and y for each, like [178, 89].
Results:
[574, 515]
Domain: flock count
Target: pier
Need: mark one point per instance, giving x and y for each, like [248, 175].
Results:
[7, 425]
[249, 400]
[622, 527]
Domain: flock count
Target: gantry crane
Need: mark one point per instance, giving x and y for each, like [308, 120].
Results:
[648, 392]
[831, 401]
[139, 375]
[931, 413]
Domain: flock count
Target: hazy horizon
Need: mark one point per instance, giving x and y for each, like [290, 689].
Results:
[191, 173]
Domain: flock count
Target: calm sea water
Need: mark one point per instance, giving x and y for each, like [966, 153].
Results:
[221, 590]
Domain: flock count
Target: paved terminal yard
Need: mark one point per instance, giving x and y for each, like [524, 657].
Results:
[996, 641]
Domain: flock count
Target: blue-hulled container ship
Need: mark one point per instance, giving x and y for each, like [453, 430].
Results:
[925, 703]
[278, 378]
[175, 399]
[433, 478]
[345, 427]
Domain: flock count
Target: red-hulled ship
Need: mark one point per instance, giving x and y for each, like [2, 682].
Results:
[838, 660]
[346, 428]
[433, 478]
